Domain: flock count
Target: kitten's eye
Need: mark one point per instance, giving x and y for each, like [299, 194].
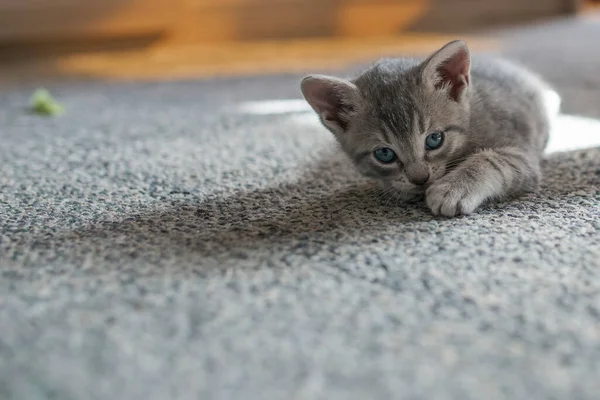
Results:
[434, 140]
[385, 155]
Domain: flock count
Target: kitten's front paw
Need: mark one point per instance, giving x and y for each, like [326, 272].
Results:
[450, 199]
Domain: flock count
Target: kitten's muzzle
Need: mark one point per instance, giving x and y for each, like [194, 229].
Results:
[419, 179]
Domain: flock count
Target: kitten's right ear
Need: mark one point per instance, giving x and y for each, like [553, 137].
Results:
[333, 99]
[449, 68]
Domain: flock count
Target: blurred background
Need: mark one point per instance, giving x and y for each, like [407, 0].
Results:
[153, 39]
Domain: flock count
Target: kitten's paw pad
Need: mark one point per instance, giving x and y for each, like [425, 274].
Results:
[449, 199]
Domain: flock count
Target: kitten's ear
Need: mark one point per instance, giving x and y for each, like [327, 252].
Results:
[334, 99]
[449, 67]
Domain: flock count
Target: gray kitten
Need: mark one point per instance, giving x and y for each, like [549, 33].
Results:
[461, 131]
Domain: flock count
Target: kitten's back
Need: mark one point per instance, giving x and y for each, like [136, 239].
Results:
[511, 103]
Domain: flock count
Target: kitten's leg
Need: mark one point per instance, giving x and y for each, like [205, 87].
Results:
[486, 175]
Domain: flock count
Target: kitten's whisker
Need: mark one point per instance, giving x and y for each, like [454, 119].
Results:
[396, 197]
[387, 202]
[455, 162]
[383, 192]
[394, 194]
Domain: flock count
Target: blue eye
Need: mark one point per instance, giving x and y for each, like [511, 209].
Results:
[385, 155]
[434, 140]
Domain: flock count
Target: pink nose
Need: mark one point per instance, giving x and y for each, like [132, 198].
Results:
[419, 179]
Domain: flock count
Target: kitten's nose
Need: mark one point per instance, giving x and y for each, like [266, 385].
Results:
[419, 179]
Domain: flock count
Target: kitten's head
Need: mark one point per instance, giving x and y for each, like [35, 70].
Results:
[401, 121]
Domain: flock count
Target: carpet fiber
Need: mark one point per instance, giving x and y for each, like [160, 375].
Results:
[158, 242]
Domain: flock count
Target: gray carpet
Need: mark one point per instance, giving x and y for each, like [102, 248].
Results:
[156, 243]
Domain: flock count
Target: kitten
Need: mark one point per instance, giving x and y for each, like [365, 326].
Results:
[457, 130]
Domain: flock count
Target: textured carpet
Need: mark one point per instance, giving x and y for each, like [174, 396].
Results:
[158, 243]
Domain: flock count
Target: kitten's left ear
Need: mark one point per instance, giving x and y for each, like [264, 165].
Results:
[449, 68]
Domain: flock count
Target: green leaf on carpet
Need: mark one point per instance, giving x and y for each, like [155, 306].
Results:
[43, 103]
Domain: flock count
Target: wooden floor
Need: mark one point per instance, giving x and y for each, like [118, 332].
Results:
[193, 61]
[157, 62]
